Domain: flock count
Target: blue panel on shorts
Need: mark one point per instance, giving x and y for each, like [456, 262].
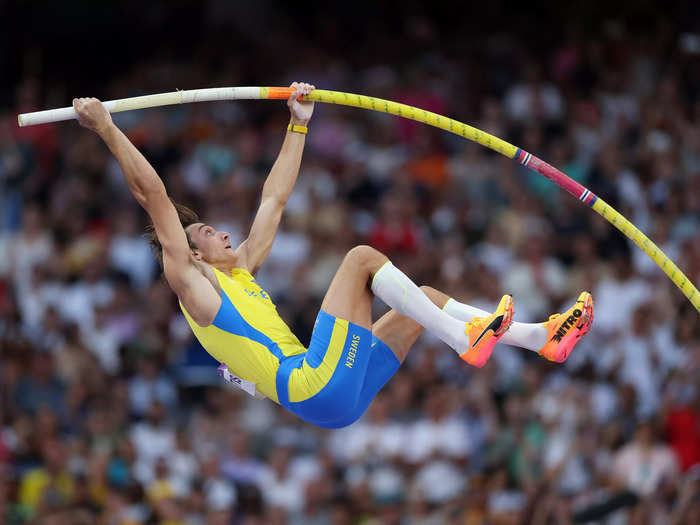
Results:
[350, 390]
[382, 367]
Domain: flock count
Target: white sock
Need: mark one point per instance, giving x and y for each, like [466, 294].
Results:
[532, 336]
[393, 287]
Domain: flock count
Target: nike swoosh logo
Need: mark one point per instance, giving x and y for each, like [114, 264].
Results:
[494, 325]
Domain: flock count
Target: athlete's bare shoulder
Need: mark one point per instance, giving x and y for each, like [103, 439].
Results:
[208, 271]
[189, 282]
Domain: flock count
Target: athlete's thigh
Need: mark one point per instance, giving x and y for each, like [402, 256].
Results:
[349, 296]
[327, 383]
[382, 365]
[400, 332]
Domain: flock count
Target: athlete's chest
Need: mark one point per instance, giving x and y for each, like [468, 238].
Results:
[247, 288]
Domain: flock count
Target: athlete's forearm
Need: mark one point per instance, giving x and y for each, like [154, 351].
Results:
[142, 179]
[283, 175]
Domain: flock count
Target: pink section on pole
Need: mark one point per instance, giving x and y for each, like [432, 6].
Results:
[560, 179]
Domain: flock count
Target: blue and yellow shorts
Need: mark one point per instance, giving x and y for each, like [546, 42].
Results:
[334, 381]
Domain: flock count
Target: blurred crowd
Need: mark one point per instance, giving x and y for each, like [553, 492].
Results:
[112, 413]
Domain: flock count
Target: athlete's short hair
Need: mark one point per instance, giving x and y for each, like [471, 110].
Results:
[186, 216]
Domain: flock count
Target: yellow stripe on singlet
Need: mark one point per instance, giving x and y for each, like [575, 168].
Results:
[306, 382]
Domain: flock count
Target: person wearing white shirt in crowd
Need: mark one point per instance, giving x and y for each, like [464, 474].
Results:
[152, 438]
[150, 386]
[440, 433]
[220, 495]
[535, 279]
[533, 99]
[102, 342]
[78, 300]
[279, 487]
[645, 465]
[617, 297]
[373, 437]
[129, 251]
[32, 245]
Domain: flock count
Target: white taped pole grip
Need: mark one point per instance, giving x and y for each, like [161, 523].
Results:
[146, 101]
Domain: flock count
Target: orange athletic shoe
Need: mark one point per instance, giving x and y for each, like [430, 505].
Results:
[484, 332]
[565, 330]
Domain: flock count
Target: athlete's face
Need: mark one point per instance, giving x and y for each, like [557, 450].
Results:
[211, 246]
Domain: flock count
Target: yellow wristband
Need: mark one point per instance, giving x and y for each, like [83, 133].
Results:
[298, 129]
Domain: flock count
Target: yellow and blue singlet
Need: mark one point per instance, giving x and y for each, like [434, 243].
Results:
[330, 385]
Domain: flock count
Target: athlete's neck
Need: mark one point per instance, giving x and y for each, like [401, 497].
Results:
[226, 267]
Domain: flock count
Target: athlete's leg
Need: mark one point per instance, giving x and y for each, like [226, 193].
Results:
[570, 326]
[327, 385]
[393, 335]
[349, 296]
[400, 332]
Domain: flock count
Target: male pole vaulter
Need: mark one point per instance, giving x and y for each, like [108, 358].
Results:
[349, 359]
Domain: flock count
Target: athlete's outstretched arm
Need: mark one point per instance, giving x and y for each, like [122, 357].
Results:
[197, 294]
[278, 186]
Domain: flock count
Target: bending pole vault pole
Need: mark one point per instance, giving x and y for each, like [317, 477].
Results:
[402, 110]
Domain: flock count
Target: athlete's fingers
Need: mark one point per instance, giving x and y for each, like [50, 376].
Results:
[292, 99]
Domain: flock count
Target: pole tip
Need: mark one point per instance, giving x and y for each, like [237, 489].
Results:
[19, 121]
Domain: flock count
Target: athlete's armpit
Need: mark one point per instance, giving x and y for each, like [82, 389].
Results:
[195, 291]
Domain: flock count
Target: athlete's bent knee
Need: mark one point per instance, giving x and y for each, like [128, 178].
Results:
[361, 252]
[363, 256]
